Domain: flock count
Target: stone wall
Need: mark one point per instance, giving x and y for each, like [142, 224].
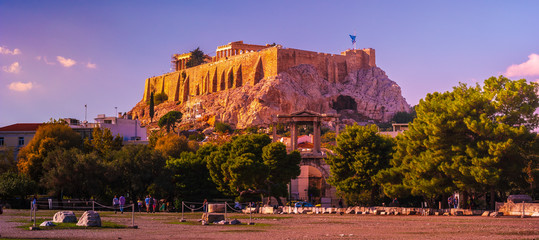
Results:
[249, 68]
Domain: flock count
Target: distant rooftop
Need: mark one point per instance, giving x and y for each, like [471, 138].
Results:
[20, 127]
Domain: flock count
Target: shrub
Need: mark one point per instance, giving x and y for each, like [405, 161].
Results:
[222, 127]
[160, 98]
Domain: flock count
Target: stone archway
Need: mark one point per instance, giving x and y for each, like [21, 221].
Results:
[311, 161]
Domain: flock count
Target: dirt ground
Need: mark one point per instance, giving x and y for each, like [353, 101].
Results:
[306, 226]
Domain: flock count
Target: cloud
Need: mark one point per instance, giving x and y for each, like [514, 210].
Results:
[91, 65]
[66, 62]
[20, 86]
[528, 68]
[13, 68]
[6, 51]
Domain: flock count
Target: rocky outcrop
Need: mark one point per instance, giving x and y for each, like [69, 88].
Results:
[362, 95]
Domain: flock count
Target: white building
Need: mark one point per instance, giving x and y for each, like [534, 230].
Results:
[129, 129]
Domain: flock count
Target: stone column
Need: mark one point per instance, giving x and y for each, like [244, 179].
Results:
[336, 129]
[316, 136]
[293, 136]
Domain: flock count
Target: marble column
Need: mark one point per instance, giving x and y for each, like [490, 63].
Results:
[293, 136]
[316, 137]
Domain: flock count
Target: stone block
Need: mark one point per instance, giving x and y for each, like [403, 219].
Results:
[47, 224]
[216, 208]
[485, 214]
[213, 217]
[90, 219]
[64, 217]
[535, 214]
[266, 210]
[459, 213]
[496, 214]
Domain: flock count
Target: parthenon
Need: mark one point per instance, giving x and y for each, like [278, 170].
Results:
[222, 52]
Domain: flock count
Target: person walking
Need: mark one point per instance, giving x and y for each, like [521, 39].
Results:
[34, 203]
[154, 204]
[115, 203]
[147, 201]
[139, 203]
[150, 205]
[122, 204]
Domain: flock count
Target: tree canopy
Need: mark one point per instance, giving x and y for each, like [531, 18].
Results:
[251, 165]
[48, 137]
[359, 155]
[169, 120]
[472, 139]
[197, 58]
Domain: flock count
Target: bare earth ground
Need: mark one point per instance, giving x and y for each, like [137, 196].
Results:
[166, 226]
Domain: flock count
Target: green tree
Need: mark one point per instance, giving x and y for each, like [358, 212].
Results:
[359, 155]
[48, 137]
[169, 120]
[103, 142]
[72, 173]
[152, 112]
[223, 127]
[282, 168]
[160, 98]
[245, 168]
[137, 170]
[472, 139]
[191, 178]
[404, 117]
[7, 160]
[197, 58]
[13, 185]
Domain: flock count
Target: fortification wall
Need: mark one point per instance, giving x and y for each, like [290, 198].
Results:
[332, 67]
[250, 68]
[235, 71]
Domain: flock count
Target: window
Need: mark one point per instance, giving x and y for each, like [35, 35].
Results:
[1, 141]
[108, 121]
[21, 141]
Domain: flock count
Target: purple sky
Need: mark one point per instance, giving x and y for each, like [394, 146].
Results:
[57, 56]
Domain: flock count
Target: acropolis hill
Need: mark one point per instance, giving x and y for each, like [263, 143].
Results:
[247, 84]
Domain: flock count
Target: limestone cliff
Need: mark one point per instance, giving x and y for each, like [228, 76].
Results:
[363, 94]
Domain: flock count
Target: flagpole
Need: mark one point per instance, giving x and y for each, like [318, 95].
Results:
[355, 41]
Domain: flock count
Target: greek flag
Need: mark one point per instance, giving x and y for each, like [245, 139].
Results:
[353, 39]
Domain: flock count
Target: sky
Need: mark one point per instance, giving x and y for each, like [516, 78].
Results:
[58, 56]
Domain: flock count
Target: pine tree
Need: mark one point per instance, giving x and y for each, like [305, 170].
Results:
[151, 107]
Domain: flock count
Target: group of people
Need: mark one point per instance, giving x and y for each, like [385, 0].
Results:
[150, 203]
[453, 201]
[118, 203]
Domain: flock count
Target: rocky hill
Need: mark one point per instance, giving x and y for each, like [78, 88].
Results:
[362, 95]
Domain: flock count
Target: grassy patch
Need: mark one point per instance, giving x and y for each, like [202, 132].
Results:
[104, 224]
[185, 223]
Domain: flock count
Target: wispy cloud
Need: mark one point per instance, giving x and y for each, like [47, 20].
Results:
[66, 62]
[528, 68]
[20, 86]
[6, 51]
[13, 68]
[91, 65]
